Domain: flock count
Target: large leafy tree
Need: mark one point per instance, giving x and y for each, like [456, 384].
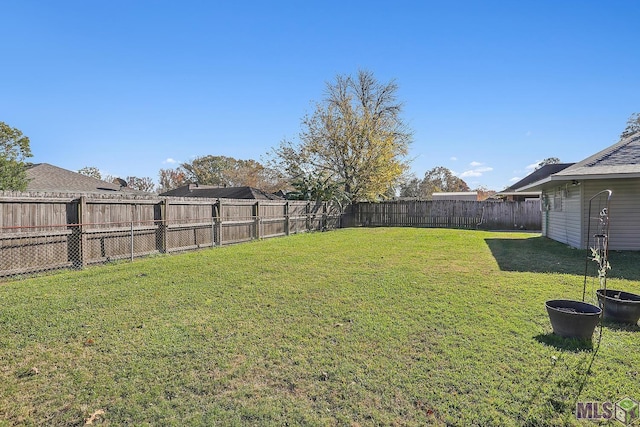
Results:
[410, 187]
[208, 170]
[254, 174]
[633, 126]
[14, 149]
[91, 171]
[318, 189]
[94, 172]
[231, 172]
[355, 137]
[170, 179]
[141, 183]
[441, 179]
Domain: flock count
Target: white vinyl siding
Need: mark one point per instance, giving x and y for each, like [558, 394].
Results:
[624, 212]
[563, 220]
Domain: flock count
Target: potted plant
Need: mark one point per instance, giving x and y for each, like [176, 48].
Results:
[573, 319]
[578, 319]
[619, 306]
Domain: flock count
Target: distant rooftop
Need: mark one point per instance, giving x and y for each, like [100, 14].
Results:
[215, 192]
[537, 175]
[455, 195]
[44, 177]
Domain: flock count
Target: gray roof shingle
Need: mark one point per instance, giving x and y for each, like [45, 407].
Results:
[537, 175]
[619, 159]
[44, 177]
[214, 192]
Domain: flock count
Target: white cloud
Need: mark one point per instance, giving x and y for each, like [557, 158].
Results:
[470, 173]
[169, 161]
[533, 165]
[476, 172]
[453, 158]
[474, 164]
[515, 179]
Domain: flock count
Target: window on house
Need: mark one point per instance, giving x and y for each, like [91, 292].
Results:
[557, 200]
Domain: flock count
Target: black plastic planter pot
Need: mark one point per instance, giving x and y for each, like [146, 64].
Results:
[573, 319]
[619, 306]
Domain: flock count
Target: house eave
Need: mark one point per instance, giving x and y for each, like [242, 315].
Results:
[518, 193]
[558, 179]
[534, 186]
[580, 177]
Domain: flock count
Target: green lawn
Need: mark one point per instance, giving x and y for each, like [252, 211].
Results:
[385, 326]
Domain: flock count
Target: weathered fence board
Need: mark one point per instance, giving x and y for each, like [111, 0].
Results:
[490, 215]
[46, 233]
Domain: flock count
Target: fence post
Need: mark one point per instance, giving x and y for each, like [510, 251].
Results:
[256, 213]
[219, 216]
[82, 240]
[213, 225]
[164, 226]
[325, 224]
[131, 239]
[287, 231]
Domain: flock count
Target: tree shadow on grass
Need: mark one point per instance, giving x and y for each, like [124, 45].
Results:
[543, 255]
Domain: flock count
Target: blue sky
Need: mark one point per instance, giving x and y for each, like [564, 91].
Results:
[489, 87]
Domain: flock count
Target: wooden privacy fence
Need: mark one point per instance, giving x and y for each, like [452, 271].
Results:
[487, 215]
[46, 233]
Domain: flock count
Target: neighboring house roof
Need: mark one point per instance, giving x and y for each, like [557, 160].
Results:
[44, 177]
[540, 173]
[214, 192]
[455, 195]
[621, 160]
